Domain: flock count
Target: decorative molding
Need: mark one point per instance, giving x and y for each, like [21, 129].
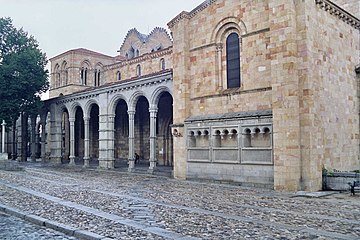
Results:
[256, 32]
[125, 85]
[191, 14]
[335, 10]
[235, 91]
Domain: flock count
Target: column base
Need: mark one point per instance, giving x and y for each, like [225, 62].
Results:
[131, 163]
[3, 156]
[106, 164]
[86, 162]
[55, 160]
[72, 161]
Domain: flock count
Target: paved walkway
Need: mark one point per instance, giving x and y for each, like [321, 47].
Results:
[121, 205]
[14, 228]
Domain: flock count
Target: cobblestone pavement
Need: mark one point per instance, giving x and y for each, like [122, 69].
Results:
[121, 205]
[13, 228]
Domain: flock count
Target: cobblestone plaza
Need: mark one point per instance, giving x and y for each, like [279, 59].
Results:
[120, 205]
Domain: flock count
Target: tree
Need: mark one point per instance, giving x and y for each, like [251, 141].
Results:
[23, 76]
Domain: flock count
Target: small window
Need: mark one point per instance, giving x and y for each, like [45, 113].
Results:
[118, 75]
[138, 70]
[162, 64]
[83, 76]
[233, 60]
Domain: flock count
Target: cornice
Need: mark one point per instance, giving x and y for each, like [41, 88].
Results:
[191, 14]
[124, 85]
[83, 51]
[140, 59]
[337, 11]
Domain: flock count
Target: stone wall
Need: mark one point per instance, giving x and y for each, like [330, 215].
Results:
[330, 105]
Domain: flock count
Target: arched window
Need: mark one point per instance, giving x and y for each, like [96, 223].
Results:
[57, 76]
[64, 73]
[233, 60]
[98, 77]
[138, 70]
[118, 75]
[162, 64]
[83, 75]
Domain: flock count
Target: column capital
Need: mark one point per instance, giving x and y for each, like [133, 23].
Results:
[86, 119]
[131, 112]
[3, 123]
[72, 119]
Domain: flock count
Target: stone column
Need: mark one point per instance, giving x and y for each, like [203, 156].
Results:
[72, 141]
[43, 140]
[87, 142]
[219, 71]
[3, 136]
[33, 138]
[153, 115]
[106, 140]
[3, 155]
[131, 140]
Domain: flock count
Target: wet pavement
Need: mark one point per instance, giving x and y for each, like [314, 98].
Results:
[119, 205]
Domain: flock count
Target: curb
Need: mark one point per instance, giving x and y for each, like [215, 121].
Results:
[43, 222]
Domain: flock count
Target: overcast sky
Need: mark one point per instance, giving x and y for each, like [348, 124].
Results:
[99, 25]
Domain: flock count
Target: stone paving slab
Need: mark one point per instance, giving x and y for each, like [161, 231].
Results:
[127, 206]
[15, 228]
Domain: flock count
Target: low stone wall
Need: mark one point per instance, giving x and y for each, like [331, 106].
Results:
[339, 180]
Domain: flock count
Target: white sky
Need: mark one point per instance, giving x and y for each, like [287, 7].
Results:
[99, 25]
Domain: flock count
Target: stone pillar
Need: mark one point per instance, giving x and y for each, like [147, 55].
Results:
[3, 136]
[33, 138]
[106, 140]
[87, 142]
[43, 140]
[153, 115]
[3, 155]
[131, 140]
[72, 141]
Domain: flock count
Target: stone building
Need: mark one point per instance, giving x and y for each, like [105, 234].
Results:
[264, 93]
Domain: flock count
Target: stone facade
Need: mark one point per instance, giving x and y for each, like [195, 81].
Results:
[296, 57]
[292, 110]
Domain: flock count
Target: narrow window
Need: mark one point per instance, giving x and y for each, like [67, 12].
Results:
[118, 75]
[82, 76]
[95, 78]
[138, 70]
[85, 76]
[162, 64]
[98, 77]
[233, 61]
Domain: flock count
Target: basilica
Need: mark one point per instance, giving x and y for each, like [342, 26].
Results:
[260, 93]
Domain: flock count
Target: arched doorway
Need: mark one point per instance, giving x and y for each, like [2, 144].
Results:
[121, 135]
[79, 134]
[163, 131]
[65, 136]
[142, 130]
[94, 133]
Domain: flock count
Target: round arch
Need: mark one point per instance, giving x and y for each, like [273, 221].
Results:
[134, 98]
[225, 25]
[155, 97]
[114, 101]
[88, 106]
[72, 109]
